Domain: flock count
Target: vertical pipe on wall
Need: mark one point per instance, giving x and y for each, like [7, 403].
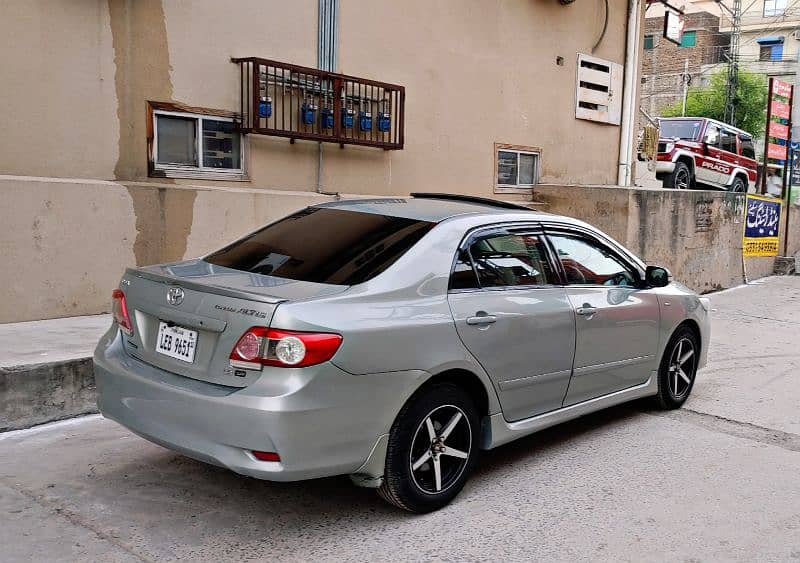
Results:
[625, 172]
[327, 53]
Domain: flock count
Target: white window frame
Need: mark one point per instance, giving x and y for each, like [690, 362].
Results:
[199, 171]
[774, 10]
[526, 188]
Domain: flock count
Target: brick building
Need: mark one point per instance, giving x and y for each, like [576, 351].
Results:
[663, 61]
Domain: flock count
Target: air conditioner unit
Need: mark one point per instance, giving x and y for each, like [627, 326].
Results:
[796, 34]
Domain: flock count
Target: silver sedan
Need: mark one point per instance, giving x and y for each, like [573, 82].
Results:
[392, 340]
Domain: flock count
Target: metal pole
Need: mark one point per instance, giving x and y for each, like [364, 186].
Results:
[685, 85]
[733, 63]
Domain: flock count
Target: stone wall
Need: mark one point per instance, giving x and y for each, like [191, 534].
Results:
[696, 234]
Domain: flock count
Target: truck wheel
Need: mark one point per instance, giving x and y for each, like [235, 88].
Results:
[680, 178]
[739, 185]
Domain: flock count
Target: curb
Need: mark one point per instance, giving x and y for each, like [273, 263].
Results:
[38, 393]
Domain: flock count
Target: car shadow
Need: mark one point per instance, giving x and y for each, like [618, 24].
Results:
[178, 489]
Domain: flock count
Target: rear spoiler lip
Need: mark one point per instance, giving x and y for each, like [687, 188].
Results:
[205, 287]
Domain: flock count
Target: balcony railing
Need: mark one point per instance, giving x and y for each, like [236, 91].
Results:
[298, 102]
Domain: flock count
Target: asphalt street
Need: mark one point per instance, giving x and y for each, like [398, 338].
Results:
[718, 480]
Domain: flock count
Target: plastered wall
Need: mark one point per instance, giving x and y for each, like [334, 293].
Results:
[696, 234]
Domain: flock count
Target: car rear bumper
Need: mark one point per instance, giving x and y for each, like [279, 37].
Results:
[321, 420]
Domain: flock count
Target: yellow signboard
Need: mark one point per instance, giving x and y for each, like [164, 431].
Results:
[761, 224]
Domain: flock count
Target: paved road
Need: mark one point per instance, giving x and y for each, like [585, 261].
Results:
[717, 481]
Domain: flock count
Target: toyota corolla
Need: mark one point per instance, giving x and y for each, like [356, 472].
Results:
[392, 340]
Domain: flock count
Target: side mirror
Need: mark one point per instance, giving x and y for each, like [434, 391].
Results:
[656, 276]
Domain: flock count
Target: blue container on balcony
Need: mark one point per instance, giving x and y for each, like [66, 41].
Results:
[365, 121]
[326, 115]
[265, 107]
[348, 116]
[308, 113]
[384, 122]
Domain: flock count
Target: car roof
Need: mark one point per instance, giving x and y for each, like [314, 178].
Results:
[710, 120]
[431, 209]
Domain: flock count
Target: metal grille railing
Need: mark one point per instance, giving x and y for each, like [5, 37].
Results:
[286, 100]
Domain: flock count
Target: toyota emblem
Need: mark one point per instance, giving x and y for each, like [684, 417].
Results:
[175, 296]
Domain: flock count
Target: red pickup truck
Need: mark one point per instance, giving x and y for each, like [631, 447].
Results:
[701, 152]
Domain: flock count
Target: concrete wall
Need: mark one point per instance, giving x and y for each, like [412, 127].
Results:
[696, 234]
[65, 243]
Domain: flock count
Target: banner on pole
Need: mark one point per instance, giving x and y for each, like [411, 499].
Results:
[762, 218]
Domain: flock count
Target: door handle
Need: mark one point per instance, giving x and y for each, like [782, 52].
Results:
[586, 311]
[481, 320]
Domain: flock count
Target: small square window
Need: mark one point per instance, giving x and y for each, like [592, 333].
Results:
[689, 39]
[774, 8]
[649, 42]
[517, 168]
[189, 145]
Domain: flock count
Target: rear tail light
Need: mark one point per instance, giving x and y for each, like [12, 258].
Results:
[282, 348]
[119, 309]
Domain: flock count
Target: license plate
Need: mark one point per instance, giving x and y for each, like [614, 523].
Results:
[176, 342]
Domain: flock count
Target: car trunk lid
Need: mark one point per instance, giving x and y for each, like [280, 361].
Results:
[210, 308]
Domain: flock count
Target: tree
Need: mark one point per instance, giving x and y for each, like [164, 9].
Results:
[709, 101]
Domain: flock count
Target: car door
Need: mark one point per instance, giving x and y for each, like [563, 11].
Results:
[729, 155]
[513, 315]
[616, 318]
[708, 165]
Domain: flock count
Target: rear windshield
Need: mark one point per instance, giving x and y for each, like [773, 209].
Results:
[324, 245]
[682, 129]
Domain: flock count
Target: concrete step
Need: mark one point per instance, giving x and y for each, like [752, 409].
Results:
[46, 369]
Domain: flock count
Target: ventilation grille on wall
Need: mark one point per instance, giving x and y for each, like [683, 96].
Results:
[599, 90]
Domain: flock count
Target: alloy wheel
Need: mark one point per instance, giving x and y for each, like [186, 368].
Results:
[682, 180]
[682, 367]
[440, 449]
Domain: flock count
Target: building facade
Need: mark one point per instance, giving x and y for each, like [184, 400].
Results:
[125, 144]
[665, 65]
[770, 37]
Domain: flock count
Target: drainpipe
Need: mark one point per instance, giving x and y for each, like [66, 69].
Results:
[327, 53]
[625, 172]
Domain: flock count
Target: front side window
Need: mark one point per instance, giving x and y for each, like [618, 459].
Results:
[648, 42]
[503, 260]
[517, 168]
[587, 262]
[324, 245]
[712, 135]
[188, 142]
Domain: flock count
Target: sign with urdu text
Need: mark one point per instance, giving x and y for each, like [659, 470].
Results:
[762, 218]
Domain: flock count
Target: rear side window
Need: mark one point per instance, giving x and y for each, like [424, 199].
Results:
[503, 260]
[324, 245]
[748, 149]
[727, 141]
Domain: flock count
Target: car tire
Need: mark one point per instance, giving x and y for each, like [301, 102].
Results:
[678, 369]
[680, 178]
[738, 186]
[438, 426]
